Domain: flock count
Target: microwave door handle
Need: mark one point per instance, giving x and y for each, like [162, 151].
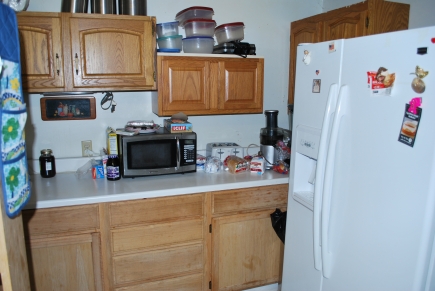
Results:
[178, 154]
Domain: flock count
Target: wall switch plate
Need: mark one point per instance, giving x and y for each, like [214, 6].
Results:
[86, 146]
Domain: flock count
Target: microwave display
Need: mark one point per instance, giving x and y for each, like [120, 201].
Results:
[158, 153]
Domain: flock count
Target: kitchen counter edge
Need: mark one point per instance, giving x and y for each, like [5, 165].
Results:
[65, 189]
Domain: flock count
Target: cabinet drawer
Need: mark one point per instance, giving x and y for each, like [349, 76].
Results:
[61, 220]
[156, 235]
[191, 283]
[155, 209]
[250, 199]
[157, 264]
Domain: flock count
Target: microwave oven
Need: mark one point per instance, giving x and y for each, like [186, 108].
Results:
[157, 153]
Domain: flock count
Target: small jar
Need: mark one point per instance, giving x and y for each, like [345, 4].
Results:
[47, 164]
[112, 167]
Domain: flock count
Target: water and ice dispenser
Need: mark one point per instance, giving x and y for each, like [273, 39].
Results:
[306, 147]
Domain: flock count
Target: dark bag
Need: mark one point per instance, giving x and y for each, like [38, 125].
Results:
[279, 219]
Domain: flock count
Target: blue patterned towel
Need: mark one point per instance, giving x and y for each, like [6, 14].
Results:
[14, 171]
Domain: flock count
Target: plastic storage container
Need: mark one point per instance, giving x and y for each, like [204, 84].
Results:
[198, 44]
[229, 32]
[199, 27]
[194, 12]
[167, 29]
[170, 42]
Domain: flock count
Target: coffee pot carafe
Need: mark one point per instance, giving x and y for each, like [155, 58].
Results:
[269, 136]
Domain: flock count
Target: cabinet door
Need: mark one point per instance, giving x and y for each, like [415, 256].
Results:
[114, 54]
[353, 24]
[246, 251]
[300, 32]
[184, 85]
[65, 263]
[41, 52]
[240, 86]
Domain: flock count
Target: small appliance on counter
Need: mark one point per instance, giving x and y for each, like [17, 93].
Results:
[235, 47]
[223, 150]
[269, 136]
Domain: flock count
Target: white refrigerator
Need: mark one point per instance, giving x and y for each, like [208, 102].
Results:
[361, 205]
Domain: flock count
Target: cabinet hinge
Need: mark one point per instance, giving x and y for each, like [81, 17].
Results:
[209, 285]
[367, 22]
[153, 31]
[209, 228]
[154, 76]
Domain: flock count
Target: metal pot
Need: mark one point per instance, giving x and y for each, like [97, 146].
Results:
[74, 6]
[103, 6]
[132, 7]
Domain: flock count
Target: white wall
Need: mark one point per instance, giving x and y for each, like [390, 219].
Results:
[267, 25]
[420, 15]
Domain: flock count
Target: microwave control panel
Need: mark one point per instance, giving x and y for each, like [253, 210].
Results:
[188, 151]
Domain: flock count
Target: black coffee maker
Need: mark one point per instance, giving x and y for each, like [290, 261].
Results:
[269, 136]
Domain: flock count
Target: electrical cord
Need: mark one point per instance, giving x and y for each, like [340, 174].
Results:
[108, 97]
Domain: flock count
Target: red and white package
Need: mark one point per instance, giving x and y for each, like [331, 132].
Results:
[380, 82]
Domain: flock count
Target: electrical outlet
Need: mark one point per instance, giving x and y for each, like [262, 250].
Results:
[86, 145]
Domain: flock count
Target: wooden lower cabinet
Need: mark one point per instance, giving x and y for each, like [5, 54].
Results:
[208, 241]
[158, 244]
[63, 248]
[247, 253]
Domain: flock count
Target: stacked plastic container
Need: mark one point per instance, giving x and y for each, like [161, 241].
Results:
[199, 27]
[168, 38]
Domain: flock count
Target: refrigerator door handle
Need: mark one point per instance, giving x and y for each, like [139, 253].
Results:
[329, 176]
[320, 173]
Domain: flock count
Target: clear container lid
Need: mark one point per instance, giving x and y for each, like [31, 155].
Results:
[168, 23]
[168, 50]
[194, 8]
[200, 20]
[196, 37]
[228, 25]
[171, 36]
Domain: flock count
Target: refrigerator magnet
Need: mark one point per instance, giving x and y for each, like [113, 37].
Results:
[316, 85]
[411, 120]
[331, 47]
[307, 57]
[418, 84]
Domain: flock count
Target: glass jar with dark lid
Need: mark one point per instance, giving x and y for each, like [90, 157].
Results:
[47, 164]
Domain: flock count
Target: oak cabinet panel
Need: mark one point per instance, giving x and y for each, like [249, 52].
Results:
[182, 283]
[208, 85]
[246, 252]
[361, 19]
[158, 264]
[158, 243]
[87, 52]
[220, 240]
[63, 248]
[41, 51]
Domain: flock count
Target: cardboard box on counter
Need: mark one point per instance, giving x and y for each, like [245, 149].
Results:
[177, 127]
[112, 143]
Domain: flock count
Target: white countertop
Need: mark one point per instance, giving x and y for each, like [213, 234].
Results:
[65, 189]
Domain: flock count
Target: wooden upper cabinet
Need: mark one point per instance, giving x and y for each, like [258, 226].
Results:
[208, 85]
[41, 51]
[87, 52]
[115, 54]
[361, 19]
